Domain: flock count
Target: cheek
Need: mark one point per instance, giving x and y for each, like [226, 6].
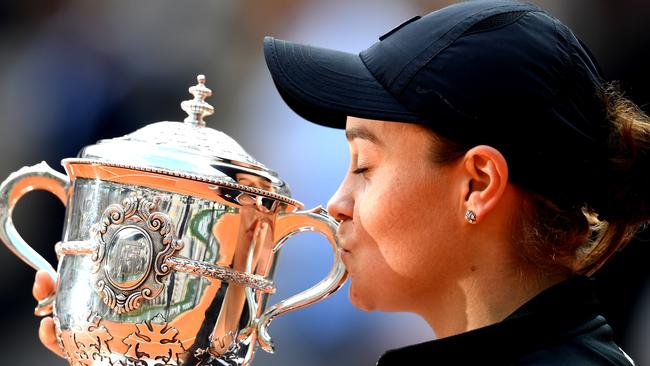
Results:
[410, 224]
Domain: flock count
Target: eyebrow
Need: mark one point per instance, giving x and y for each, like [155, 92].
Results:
[361, 133]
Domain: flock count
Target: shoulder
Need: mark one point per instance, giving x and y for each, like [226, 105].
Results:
[589, 344]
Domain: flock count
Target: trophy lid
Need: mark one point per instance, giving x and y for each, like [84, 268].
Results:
[187, 148]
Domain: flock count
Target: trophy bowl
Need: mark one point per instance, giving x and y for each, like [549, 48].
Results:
[170, 242]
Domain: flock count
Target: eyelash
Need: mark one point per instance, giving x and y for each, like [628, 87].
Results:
[360, 170]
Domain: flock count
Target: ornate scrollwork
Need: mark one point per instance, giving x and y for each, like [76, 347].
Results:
[154, 340]
[133, 243]
[151, 343]
[85, 345]
[120, 302]
[230, 358]
[221, 273]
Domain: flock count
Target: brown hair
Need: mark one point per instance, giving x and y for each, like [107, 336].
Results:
[582, 239]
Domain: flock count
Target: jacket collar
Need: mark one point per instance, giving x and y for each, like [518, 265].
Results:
[553, 313]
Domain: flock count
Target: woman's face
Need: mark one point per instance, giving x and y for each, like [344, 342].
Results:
[400, 213]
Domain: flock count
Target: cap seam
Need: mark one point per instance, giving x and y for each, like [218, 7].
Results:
[466, 24]
[316, 68]
[333, 71]
[469, 31]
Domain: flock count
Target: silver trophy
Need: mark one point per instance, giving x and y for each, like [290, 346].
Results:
[172, 235]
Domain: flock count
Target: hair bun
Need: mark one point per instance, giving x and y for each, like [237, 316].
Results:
[625, 177]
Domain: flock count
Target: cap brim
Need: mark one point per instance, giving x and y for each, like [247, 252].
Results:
[325, 86]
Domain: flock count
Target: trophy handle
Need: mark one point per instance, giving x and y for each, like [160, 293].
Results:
[27, 179]
[287, 225]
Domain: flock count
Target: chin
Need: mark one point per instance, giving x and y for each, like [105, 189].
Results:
[359, 301]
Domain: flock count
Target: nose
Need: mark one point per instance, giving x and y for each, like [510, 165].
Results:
[341, 205]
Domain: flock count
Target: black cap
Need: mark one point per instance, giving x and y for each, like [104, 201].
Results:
[501, 73]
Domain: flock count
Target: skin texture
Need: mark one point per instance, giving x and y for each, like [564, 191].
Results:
[407, 245]
[44, 286]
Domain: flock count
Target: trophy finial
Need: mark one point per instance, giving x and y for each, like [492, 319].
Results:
[198, 108]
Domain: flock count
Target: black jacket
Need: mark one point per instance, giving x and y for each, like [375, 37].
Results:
[560, 326]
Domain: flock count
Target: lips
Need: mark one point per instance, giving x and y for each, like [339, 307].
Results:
[343, 244]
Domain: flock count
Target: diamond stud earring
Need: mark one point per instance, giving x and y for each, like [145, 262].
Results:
[470, 216]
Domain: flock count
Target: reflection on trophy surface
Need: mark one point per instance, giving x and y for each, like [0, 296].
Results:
[171, 239]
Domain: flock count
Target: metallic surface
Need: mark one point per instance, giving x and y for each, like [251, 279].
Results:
[182, 265]
[133, 243]
[253, 187]
[198, 108]
[12, 189]
[187, 148]
[291, 224]
[166, 266]
[221, 273]
[207, 297]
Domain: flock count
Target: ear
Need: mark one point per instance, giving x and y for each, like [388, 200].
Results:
[487, 177]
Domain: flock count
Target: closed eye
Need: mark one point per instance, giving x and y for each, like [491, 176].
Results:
[360, 170]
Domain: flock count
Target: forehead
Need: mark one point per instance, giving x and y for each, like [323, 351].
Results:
[385, 133]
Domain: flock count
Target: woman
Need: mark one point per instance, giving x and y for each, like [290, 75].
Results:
[491, 170]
